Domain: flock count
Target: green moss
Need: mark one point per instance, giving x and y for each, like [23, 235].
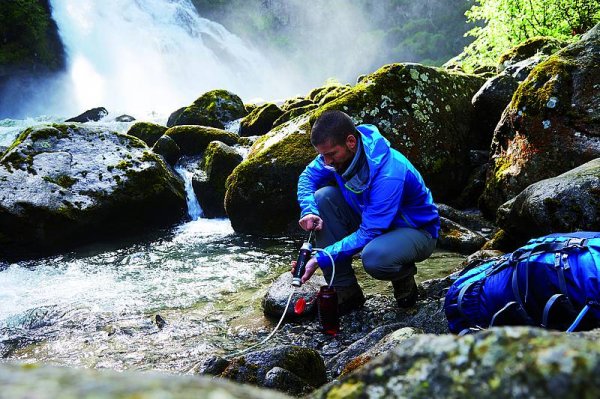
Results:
[212, 109]
[532, 46]
[349, 389]
[148, 132]
[64, 181]
[193, 140]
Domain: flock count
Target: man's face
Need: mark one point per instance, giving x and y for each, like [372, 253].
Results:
[339, 156]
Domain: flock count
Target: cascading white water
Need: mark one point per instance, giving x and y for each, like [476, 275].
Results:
[154, 55]
[194, 208]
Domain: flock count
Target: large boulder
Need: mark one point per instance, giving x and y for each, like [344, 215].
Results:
[193, 140]
[260, 120]
[532, 47]
[168, 149]
[214, 108]
[498, 363]
[91, 115]
[63, 185]
[261, 191]
[551, 125]
[424, 112]
[148, 132]
[218, 163]
[44, 381]
[568, 202]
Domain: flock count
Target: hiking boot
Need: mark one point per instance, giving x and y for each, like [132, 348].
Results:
[349, 298]
[405, 292]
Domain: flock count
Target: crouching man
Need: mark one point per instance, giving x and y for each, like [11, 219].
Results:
[379, 205]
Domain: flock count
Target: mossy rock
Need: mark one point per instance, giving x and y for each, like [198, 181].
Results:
[250, 107]
[173, 117]
[457, 238]
[317, 94]
[425, 112]
[193, 140]
[260, 121]
[214, 108]
[219, 161]
[148, 132]
[539, 45]
[497, 363]
[294, 103]
[293, 113]
[261, 191]
[568, 202]
[550, 126]
[29, 37]
[166, 147]
[65, 185]
[20, 380]
[329, 95]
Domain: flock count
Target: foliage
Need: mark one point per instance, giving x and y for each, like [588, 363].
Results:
[506, 23]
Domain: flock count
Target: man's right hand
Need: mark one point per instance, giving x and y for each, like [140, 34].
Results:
[311, 222]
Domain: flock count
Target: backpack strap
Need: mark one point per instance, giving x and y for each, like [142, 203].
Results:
[547, 308]
[578, 318]
[461, 295]
[518, 299]
[508, 305]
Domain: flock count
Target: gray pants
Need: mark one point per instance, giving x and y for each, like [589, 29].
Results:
[390, 256]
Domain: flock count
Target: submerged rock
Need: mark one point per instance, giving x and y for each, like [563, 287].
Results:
[91, 115]
[497, 363]
[64, 185]
[214, 108]
[551, 125]
[43, 381]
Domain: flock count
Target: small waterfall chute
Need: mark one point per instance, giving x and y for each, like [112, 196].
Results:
[185, 168]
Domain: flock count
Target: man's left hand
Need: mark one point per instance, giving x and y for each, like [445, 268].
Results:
[311, 267]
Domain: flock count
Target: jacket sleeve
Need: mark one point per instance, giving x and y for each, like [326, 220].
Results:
[314, 176]
[384, 201]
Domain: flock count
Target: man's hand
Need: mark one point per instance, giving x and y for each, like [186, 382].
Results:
[309, 270]
[311, 222]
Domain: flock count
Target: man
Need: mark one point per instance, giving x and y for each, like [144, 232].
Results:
[380, 206]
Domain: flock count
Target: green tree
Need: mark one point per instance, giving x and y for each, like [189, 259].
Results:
[502, 24]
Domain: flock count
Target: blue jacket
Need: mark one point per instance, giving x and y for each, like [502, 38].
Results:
[396, 196]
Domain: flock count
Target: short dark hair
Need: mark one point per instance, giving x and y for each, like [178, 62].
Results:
[332, 125]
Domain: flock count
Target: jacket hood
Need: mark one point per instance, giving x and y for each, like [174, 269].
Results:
[376, 147]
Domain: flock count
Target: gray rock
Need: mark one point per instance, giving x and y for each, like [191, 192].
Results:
[455, 237]
[568, 202]
[166, 147]
[306, 364]
[286, 381]
[471, 219]
[498, 363]
[124, 118]
[273, 303]
[44, 381]
[64, 185]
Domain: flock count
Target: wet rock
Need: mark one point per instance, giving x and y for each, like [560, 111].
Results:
[286, 381]
[552, 124]
[168, 149]
[159, 321]
[568, 202]
[471, 219]
[293, 113]
[482, 255]
[193, 140]
[260, 120]
[64, 185]
[214, 366]
[218, 162]
[43, 381]
[337, 363]
[504, 242]
[331, 94]
[455, 237]
[295, 102]
[125, 118]
[148, 132]
[497, 363]
[91, 115]
[469, 197]
[306, 364]
[273, 303]
[214, 108]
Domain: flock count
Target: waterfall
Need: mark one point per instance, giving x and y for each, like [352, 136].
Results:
[194, 209]
[153, 56]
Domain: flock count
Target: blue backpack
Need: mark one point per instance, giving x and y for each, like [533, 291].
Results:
[551, 282]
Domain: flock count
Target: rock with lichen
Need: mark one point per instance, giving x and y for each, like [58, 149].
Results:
[260, 120]
[552, 124]
[504, 362]
[455, 237]
[193, 140]
[218, 162]
[294, 112]
[45, 381]
[532, 47]
[568, 202]
[214, 108]
[148, 132]
[64, 185]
